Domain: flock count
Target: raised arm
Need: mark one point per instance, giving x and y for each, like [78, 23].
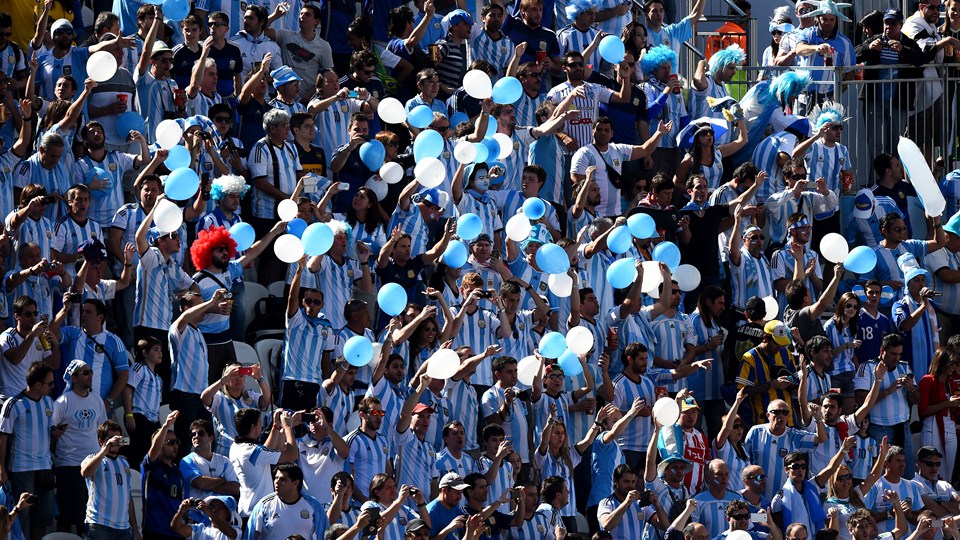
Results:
[144, 63]
[160, 437]
[246, 93]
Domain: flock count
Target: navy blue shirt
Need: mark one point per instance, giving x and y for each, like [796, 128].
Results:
[624, 115]
[353, 172]
[537, 40]
[162, 494]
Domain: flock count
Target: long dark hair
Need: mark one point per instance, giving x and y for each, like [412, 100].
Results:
[375, 215]
[710, 292]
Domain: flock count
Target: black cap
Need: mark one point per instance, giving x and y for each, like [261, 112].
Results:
[893, 14]
[416, 524]
[483, 237]
[926, 452]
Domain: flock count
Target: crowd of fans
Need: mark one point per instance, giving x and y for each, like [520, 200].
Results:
[634, 300]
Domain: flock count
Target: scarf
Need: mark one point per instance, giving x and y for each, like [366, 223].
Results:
[809, 498]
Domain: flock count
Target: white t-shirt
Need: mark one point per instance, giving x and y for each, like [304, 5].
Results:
[252, 464]
[82, 415]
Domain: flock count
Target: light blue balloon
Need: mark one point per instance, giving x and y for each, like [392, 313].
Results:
[619, 240]
[611, 50]
[622, 273]
[358, 351]
[860, 260]
[243, 234]
[481, 152]
[127, 122]
[178, 157]
[570, 363]
[392, 299]
[552, 259]
[420, 116]
[296, 227]
[175, 10]
[457, 118]
[642, 226]
[534, 208]
[667, 253]
[455, 255]
[99, 174]
[181, 184]
[493, 147]
[316, 239]
[469, 226]
[372, 154]
[507, 91]
[428, 143]
[552, 345]
[491, 128]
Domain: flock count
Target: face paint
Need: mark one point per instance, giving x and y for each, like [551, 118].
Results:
[481, 181]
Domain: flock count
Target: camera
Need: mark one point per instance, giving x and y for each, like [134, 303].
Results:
[76, 297]
[205, 136]
[486, 294]
[308, 418]
[49, 199]
[644, 498]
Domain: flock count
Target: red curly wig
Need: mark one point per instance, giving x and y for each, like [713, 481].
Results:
[208, 240]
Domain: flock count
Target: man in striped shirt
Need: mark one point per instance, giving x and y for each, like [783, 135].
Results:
[109, 194]
[368, 452]
[490, 43]
[110, 511]
[26, 419]
[74, 228]
[767, 444]
[622, 515]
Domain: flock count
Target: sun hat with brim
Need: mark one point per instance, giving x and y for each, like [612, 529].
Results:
[829, 7]
[689, 132]
[778, 331]
[863, 204]
[284, 75]
[953, 225]
[159, 47]
[662, 467]
[415, 525]
[914, 272]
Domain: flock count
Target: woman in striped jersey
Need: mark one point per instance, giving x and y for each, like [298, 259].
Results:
[704, 156]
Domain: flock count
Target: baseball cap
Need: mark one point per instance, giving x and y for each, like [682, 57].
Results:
[457, 16]
[893, 14]
[453, 480]
[422, 407]
[863, 204]
[953, 225]
[93, 250]
[689, 404]
[778, 331]
[416, 524]
[429, 196]
[926, 452]
[483, 237]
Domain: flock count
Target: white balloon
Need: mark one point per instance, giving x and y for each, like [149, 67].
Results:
[443, 364]
[560, 284]
[168, 217]
[101, 66]
[391, 111]
[580, 340]
[506, 145]
[687, 276]
[288, 248]
[666, 411]
[834, 248]
[391, 172]
[430, 172]
[772, 308]
[168, 134]
[378, 186]
[477, 84]
[465, 152]
[918, 171]
[518, 228]
[377, 348]
[444, 199]
[527, 369]
[287, 210]
[739, 535]
[651, 278]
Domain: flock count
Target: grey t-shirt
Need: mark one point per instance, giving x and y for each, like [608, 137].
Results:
[803, 321]
[305, 57]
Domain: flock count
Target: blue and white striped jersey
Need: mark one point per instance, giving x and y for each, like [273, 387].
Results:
[447, 463]
[147, 388]
[484, 207]
[215, 323]
[515, 424]
[336, 282]
[501, 483]
[827, 162]
[391, 398]
[498, 52]
[838, 336]
[923, 340]
[332, 123]
[524, 110]
[56, 180]
[108, 494]
[460, 398]
[706, 382]
[68, 234]
[283, 175]
[416, 461]
[223, 408]
[51, 68]
[550, 465]
[700, 108]
[367, 458]
[304, 339]
[765, 157]
[514, 163]
[37, 231]
[479, 329]
[411, 222]
[153, 100]
[103, 352]
[102, 209]
[768, 450]
[779, 206]
[188, 359]
[874, 500]
[606, 458]
[572, 38]
[942, 259]
[28, 422]
[633, 522]
[712, 512]
[752, 277]
[193, 466]
[636, 436]
[887, 268]
[340, 402]
[589, 107]
[154, 307]
[200, 104]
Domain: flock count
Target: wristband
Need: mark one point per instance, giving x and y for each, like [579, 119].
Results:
[128, 415]
[260, 380]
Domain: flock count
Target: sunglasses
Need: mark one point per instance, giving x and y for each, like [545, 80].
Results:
[777, 32]
[837, 127]
[221, 119]
[555, 377]
[312, 301]
[198, 433]
[740, 517]
[738, 425]
[430, 329]
[165, 60]
[575, 64]
[931, 463]
[369, 71]
[798, 467]
[442, 128]
[850, 306]
[215, 24]
[173, 236]
[843, 477]
[798, 176]
[631, 64]
[375, 413]
[757, 238]
[172, 442]
[758, 478]
[779, 412]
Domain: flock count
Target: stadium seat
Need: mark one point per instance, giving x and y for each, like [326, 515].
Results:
[276, 288]
[252, 292]
[266, 350]
[61, 536]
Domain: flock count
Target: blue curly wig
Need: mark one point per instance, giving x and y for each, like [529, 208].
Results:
[790, 84]
[228, 184]
[731, 55]
[576, 7]
[656, 57]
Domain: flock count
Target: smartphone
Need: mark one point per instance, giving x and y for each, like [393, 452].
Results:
[125, 441]
[245, 371]
[34, 499]
[812, 184]
[496, 255]
[353, 94]
[644, 498]
[344, 186]
[195, 502]
[371, 527]
[308, 418]
[310, 184]
[758, 517]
